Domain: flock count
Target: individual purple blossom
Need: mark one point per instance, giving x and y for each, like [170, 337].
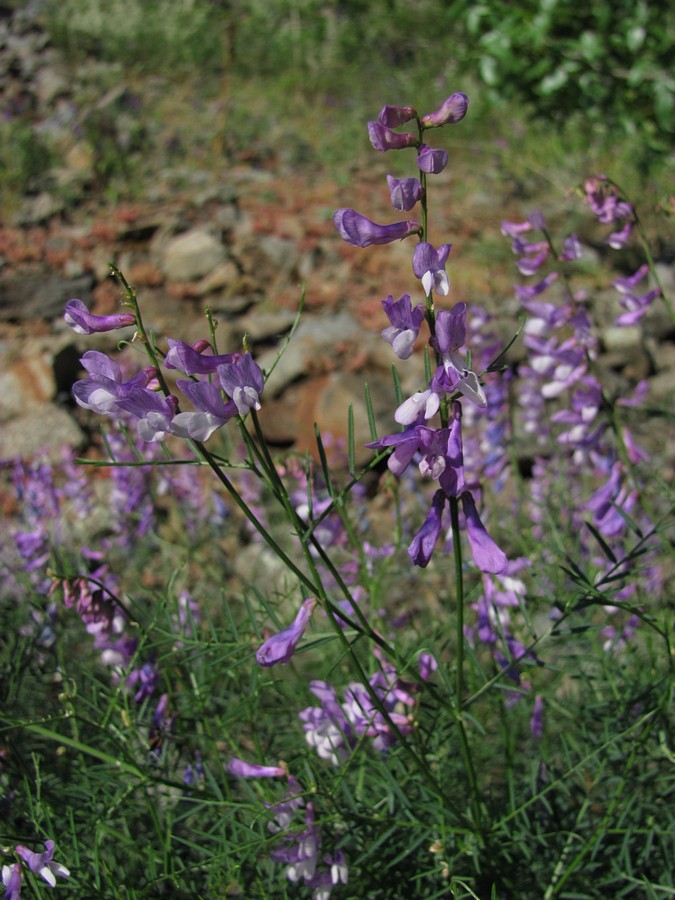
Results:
[43, 864]
[405, 324]
[78, 317]
[192, 360]
[153, 411]
[393, 116]
[11, 878]
[486, 554]
[244, 382]
[528, 265]
[405, 192]
[452, 374]
[527, 292]
[427, 665]
[105, 385]
[431, 161]
[429, 266]
[243, 769]
[361, 232]
[449, 112]
[603, 199]
[537, 720]
[212, 411]
[406, 443]
[571, 249]
[144, 680]
[424, 542]
[383, 138]
[301, 856]
[619, 239]
[636, 305]
[515, 229]
[280, 647]
[442, 454]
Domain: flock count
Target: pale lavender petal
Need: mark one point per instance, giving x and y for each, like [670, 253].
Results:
[486, 554]
[243, 769]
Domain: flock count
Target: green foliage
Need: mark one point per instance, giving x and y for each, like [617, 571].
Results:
[609, 62]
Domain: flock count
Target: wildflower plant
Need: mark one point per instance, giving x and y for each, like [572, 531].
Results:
[328, 724]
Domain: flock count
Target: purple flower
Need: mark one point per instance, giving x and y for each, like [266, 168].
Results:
[213, 411]
[153, 411]
[422, 546]
[43, 864]
[486, 554]
[429, 266]
[515, 229]
[383, 138]
[405, 324]
[78, 317]
[393, 116]
[449, 112]
[603, 198]
[361, 232]
[192, 360]
[431, 161]
[571, 248]
[527, 292]
[619, 239]
[427, 665]
[537, 720]
[244, 382]
[280, 647]
[405, 192]
[242, 769]
[101, 391]
[452, 374]
[405, 444]
[11, 878]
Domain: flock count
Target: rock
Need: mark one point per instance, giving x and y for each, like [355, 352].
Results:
[38, 294]
[46, 428]
[192, 255]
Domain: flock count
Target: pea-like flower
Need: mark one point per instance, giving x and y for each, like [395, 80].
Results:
[383, 138]
[449, 112]
[153, 411]
[280, 647]
[212, 411]
[393, 116]
[78, 317]
[405, 324]
[105, 386]
[243, 769]
[405, 192]
[243, 381]
[43, 864]
[192, 360]
[431, 161]
[429, 266]
[361, 232]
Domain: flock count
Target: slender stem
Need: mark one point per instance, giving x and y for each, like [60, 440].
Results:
[459, 662]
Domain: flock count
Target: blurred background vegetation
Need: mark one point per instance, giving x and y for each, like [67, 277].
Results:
[556, 88]
[608, 63]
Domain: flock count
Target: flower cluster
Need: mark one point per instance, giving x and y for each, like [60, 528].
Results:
[106, 390]
[299, 851]
[438, 449]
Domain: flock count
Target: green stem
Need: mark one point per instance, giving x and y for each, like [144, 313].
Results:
[459, 662]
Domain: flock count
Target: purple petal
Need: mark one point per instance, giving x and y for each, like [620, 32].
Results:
[383, 138]
[242, 769]
[393, 116]
[486, 554]
[361, 232]
[405, 192]
[431, 161]
[280, 647]
[192, 361]
[422, 546]
[78, 317]
[449, 112]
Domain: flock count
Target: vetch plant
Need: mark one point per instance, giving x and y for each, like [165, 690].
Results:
[453, 680]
